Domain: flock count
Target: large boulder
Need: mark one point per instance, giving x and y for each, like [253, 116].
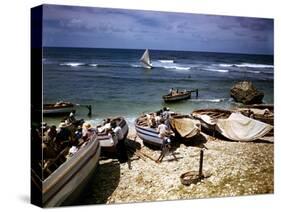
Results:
[246, 93]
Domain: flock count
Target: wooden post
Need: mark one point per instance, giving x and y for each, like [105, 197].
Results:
[201, 163]
[196, 93]
[90, 109]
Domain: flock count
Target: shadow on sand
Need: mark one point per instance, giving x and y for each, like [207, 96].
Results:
[103, 183]
[196, 141]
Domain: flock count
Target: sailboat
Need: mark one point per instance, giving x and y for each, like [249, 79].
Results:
[145, 60]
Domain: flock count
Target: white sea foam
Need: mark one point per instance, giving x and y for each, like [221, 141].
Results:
[217, 70]
[253, 65]
[177, 67]
[135, 65]
[181, 68]
[250, 65]
[250, 71]
[166, 61]
[72, 64]
[206, 100]
[225, 65]
[93, 65]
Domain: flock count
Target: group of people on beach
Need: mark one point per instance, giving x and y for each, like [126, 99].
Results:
[66, 139]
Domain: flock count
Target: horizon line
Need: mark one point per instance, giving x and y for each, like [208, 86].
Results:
[82, 47]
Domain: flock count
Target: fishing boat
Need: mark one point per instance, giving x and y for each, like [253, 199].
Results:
[232, 125]
[209, 117]
[65, 177]
[109, 141]
[147, 133]
[181, 125]
[145, 60]
[185, 126]
[177, 96]
[261, 112]
[59, 108]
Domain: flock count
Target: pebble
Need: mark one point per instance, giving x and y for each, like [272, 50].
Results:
[236, 168]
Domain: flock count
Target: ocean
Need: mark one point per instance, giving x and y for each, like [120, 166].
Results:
[115, 84]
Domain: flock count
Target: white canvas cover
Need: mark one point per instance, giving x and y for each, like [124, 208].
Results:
[238, 127]
[208, 119]
[186, 127]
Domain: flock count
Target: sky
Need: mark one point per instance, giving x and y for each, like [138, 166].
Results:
[71, 26]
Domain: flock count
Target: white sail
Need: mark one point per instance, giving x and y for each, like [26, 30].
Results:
[145, 60]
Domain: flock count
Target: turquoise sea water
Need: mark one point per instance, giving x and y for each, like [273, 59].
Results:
[114, 83]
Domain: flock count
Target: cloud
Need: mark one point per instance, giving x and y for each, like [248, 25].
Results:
[255, 24]
[92, 27]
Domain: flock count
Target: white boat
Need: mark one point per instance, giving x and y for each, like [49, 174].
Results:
[148, 134]
[65, 182]
[107, 141]
[181, 125]
[145, 60]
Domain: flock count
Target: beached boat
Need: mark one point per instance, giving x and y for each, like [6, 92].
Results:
[261, 112]
[209, 117]
[181, 125]
[185, 126]
[261, 106]
[145, 60]
[63, 184]
[108, 141]
[146, 133]
[59, 108]
[177, 96]
[263, 115]
[232, 125]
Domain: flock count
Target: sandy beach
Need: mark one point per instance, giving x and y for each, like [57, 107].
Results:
[236, 168]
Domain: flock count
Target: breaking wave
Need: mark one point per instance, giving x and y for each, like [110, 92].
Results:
[177, 67]
[217, 70]
[207, 100]
[249, 65]
[166, 61]
[72, 64]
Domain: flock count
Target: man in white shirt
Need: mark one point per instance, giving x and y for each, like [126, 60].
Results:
[121, 147]
[118, 132]
[165, 134]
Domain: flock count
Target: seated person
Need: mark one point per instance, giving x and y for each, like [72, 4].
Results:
[63, 136]
[105, 127]
[87, 131]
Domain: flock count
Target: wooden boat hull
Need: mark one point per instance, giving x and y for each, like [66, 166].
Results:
[231, 125]
[257, 112]
[72, 175]
[149, 135]
[109, 143]
[215, 113]
[178, 97]
[184, 126]
[51, 110]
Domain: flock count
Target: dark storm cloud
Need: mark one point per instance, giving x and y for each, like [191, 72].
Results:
[117, 28]
[256, 24]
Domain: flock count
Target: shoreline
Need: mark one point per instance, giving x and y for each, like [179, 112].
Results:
[236, 168]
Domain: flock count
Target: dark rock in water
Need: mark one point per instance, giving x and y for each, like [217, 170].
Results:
[246, 93]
